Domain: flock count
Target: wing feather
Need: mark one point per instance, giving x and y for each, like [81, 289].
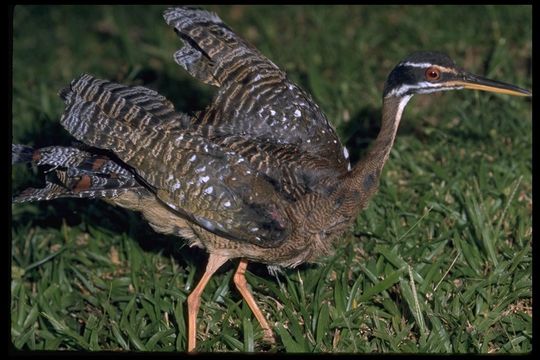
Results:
[210, 184]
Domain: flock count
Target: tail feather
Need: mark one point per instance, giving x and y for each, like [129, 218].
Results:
[68, 157]
[75, 173]
[52, 190]
[49, 192]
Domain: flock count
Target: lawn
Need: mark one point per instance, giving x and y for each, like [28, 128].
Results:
[440, 261]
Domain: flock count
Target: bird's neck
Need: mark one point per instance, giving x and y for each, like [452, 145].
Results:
[379, 151]
[363, 179]
[357, 186]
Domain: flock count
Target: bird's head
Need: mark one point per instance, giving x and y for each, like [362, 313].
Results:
[426, 72]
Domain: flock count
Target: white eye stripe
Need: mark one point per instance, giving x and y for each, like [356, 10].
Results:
[416, 65]
[443, 88]
[427, 65]
[405, 88]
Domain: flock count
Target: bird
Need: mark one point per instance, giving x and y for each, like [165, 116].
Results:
[259, 175]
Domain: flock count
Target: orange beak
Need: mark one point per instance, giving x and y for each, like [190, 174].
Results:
[475, 82]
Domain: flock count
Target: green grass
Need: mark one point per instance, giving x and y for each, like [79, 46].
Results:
[440, 261]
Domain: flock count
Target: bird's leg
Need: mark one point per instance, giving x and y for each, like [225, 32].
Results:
[241, 285]
[194, 299]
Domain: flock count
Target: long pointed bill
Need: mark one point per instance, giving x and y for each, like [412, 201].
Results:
[475, 82]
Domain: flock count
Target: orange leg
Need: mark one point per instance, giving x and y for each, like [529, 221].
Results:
[241, 285]
[194, 299]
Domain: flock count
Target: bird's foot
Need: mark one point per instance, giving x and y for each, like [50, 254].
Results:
[269, 337]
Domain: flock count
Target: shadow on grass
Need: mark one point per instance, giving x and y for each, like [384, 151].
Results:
[113, 220]
[50, 132]
[360, 131]
[363, 129]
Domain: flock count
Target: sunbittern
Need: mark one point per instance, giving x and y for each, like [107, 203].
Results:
[259, 175]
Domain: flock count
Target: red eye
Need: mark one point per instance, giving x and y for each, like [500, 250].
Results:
[433, 74]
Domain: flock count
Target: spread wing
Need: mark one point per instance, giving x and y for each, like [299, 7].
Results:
[210, 184]
[255, 99]
[232, 169]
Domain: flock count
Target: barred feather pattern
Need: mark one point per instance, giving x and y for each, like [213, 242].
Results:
[192, 175]
[74, 173]
[255, 174]
[255, 99]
